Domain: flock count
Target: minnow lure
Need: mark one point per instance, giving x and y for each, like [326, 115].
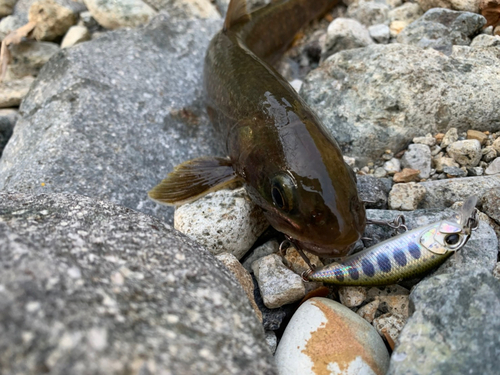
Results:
[404, 256]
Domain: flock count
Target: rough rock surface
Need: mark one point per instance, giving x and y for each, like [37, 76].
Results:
[111, 117]
[381, 96]
[441, 29]
[29, 57]
[112, 14]
[91, 287]
[222, 221]
[343, 34]
[443, 193]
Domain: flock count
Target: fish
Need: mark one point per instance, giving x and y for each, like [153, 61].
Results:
[291, 167]
[405, 256]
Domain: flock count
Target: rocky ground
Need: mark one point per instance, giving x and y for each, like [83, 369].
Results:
[94, 279]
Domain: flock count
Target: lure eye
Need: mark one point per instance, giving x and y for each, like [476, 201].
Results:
[452, 239]
[283, 191]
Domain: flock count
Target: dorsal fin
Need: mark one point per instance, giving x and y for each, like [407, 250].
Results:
[236, 12]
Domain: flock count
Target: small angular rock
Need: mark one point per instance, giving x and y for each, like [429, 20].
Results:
[75, 35]
[491, 203]
[467, 153]
[407, 175]
[344, 34]
[52, 19]
[369, 310]
[368, 12]
[352, 296]
[418, 156]
[390, 324]
[475, 134]
[449, 137]
[278, 285]
[12, 92]
[392, 166]
[380, 33]
[493, 168]
[124, 13]
[270, 247]
[406, 197]
[488, 153]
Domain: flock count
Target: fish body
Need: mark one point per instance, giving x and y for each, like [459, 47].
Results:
[291, 167]
[407, 255]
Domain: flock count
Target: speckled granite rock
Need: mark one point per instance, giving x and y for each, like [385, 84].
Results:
[91, 287]
[380, 97]
[111, 117]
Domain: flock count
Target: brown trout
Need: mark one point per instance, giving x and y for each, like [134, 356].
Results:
[291, 167]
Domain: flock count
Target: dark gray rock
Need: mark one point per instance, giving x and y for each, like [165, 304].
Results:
[8, 119]
[454, 329]
[454, 172]
[111, 117]
[88, 287]
[373, 191]
[443, 193]
[441, 29]
[382, 96]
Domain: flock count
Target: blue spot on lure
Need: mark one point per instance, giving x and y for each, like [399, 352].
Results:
[405, 256]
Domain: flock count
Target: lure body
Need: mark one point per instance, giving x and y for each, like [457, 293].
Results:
[407, 255]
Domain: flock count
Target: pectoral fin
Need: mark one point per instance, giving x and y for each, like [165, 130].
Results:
[193, 179]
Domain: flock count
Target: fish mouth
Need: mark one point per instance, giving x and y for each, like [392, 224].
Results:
[322, 250]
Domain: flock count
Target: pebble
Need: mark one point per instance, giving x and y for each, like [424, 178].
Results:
[352, 296]
[467, 153]
[484, 40]
[489, 153]
[368, 12]
[407, 175]
[390, 324]
[369, 310]
[475, 134]
[379, 172]
[396, 27]
[373, 191]
[407, 12]
[406, 197]
[277, 284]
[475, 171]
[52, 19]
[29, 57]
[450, 136]
[494, 167]
[325, 337]
[270, 247]
[496, 145]
[222, 221]
[380, 33]
[428, 140]
[418, 156]
[112, 14]
[452, 172]
[75, 35]
[440, 162]
[344, 34]
[392, 166]
[243, 277]
[271, 340]
[12, 92]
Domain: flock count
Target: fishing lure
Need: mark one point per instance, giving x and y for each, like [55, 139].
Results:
[407, 255]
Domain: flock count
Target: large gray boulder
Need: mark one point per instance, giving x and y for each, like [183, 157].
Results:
[111, 117]
[382, 96]
[89, 287]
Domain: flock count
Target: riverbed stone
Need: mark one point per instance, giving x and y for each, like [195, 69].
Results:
[380, 33]
[6, 7]
[490, 201]
[75, 35]
[462, 5]
[8, 24]
[373, 191]
[223, 221]
[186, 8]
[406, 197]
[52, 19]
[367, 97]
[368, 12]
[467, 153]
[441, 29]
[443, 193]
[92, 287]
[71, 139]
[278, 284]
[418, 156]
[12, 92]
[324, 337]
[124, 13]
[494, 167]
[343, 34]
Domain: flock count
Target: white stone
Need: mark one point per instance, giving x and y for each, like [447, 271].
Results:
[112, 14]
[75, 35]
[325, 337]
[494, 167]
[380, 33]
[343, 34]
[467, 153]
[392, 166]
[450, 136]
[277, 284]
[418, 156]
[406, 197]
[223, 221]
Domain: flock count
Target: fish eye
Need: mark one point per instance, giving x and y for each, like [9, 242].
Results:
[452, 239]
[282, 192]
